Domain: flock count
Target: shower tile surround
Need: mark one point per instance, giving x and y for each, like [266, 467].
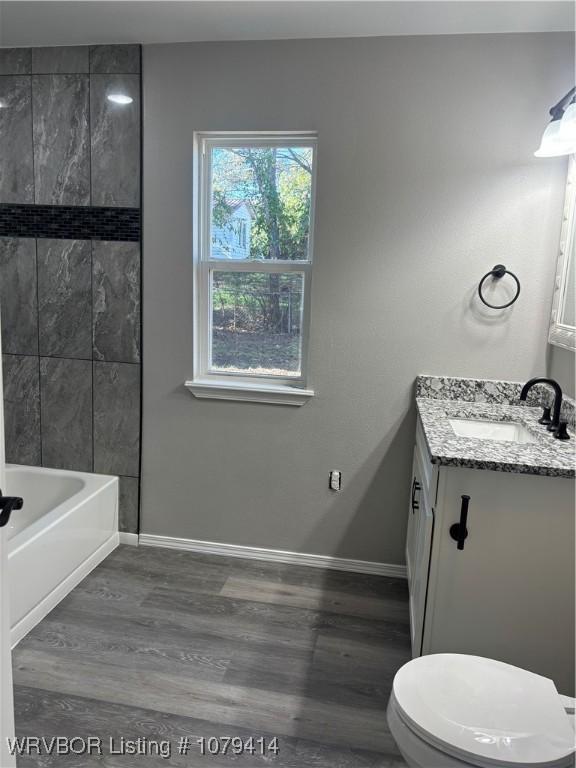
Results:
[61, 139]
[70, 261]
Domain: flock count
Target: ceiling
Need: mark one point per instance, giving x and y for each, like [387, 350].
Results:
[81, 22]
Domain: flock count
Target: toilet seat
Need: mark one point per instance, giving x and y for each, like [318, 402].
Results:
[484, 712]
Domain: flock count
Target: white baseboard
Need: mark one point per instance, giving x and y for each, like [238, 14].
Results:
[129, 538]
[274, 555]
[58, 594]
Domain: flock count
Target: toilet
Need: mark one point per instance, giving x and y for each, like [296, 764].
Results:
[453, 710]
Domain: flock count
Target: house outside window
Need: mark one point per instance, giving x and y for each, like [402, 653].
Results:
[229, 235]
[253, 265]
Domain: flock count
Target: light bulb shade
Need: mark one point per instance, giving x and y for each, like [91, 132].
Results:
[568, 124]
[552, 144]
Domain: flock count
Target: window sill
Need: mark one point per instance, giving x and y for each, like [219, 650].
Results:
[219, 389]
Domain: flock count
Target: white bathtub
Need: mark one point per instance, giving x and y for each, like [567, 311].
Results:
[67, 526]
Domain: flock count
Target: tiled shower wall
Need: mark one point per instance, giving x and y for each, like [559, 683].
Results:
[70, 261]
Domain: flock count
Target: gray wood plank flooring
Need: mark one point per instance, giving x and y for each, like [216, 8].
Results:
[162, 644]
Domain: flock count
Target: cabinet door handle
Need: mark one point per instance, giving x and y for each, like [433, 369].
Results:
[415, 487]
[458, 531]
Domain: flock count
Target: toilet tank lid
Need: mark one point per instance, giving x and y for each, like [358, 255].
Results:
[484, 711]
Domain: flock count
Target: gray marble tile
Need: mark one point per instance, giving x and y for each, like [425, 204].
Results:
[115, 140]
[18, 295]
[15, 61]
[16, 157]
[64, 59]
[116, 418]
[66, 410]
[116, 307]
[22, 409]
[115, 59]
[61, 139]
[65, 298]
[128, 504]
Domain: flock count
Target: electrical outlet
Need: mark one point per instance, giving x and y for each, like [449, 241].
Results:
[335, 482]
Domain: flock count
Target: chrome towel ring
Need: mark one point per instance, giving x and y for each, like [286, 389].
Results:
[497, 272]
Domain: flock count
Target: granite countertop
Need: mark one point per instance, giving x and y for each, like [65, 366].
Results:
[546, 456]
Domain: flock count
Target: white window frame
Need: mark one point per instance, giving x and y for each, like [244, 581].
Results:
[289, 390]
[242, 232]
[560, 334]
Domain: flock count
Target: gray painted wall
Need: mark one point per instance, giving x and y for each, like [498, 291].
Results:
[426, 179]
[71, 308]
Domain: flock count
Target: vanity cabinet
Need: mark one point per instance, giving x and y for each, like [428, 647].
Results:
[508, 593]
[418, 544]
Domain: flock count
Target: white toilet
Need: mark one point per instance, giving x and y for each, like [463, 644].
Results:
[452, 710]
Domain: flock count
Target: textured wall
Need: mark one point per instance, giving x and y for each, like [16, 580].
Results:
[426, 179]
[70, 168]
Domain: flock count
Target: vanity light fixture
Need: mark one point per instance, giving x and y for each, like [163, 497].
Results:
[120, 98]
[559, 137]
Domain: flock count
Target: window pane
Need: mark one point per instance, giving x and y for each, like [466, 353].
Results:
[260, 207]
[257, 323]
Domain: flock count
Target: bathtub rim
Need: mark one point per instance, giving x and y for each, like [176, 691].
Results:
[93, 483]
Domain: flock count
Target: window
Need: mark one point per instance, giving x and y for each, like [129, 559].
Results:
[242, 234]
[253, 262]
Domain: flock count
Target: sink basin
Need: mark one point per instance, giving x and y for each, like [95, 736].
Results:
[479, 429]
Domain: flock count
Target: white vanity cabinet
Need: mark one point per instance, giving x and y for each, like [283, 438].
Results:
[509, 593]
[419, 539]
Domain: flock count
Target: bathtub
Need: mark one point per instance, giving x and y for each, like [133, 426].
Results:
[67, 526]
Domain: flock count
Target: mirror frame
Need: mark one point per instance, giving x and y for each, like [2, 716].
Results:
[559, 334]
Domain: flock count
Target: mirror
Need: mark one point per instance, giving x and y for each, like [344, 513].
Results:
[563, 320]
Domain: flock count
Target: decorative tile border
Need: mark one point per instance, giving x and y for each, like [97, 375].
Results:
[70, 222]
[489, 391]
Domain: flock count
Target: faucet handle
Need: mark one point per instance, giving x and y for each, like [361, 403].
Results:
[561, 432]
[546, 417]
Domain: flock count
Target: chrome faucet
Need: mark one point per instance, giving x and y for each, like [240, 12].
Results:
[555, 423]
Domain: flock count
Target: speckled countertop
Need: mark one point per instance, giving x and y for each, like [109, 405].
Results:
[436, 405]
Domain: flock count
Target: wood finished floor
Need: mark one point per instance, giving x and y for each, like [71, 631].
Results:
[164, 644]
